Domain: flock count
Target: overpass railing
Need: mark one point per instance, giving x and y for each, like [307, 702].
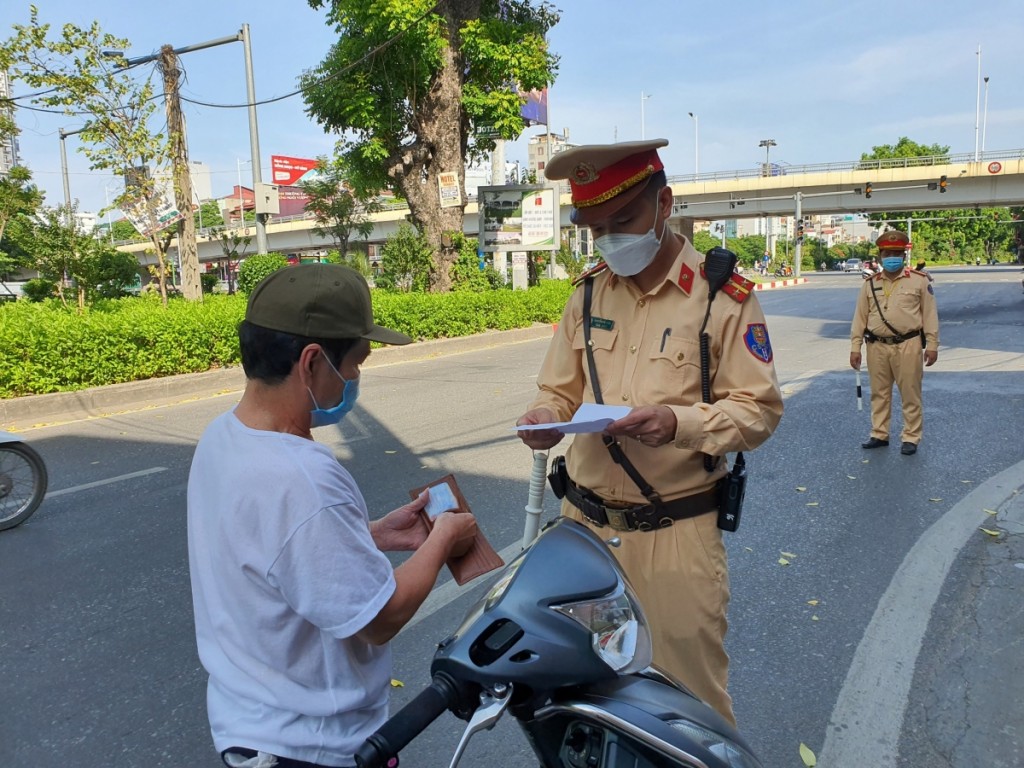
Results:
[852, 165]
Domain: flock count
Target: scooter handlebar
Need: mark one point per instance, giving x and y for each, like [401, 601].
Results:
[383, 746]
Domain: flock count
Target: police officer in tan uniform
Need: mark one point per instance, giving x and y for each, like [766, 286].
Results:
[895, 314]
[649, 298]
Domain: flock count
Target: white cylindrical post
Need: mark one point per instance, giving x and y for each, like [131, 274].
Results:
[535, 505]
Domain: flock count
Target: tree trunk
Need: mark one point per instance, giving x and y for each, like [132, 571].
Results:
[440, 149]
[161, 265]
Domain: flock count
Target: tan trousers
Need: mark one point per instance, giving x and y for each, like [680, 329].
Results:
[681, 576]
[902, 364]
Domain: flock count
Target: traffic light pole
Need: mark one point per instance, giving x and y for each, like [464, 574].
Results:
[798, 250]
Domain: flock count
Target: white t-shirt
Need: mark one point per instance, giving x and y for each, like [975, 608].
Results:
[284, 574]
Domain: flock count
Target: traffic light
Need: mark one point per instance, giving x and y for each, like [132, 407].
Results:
[800, 230]
[942, 184]
[867, 189]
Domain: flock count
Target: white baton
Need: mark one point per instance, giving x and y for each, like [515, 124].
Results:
[860, 399]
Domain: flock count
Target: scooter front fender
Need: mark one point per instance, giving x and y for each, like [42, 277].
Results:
[7, 437]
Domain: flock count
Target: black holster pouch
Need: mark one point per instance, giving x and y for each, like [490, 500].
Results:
[558, 477]
[730, 495]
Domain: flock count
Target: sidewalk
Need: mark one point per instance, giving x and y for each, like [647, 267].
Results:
[59, 407]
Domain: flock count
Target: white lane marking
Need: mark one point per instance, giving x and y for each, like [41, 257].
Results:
[108, 481]
[867, 719]
[450, 590]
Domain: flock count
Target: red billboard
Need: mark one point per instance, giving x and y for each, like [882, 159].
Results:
[287, 173]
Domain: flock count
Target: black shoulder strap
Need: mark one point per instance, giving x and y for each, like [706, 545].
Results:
[610, 442]
[874, 295]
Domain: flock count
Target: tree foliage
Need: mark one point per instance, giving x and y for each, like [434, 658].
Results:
[19, 198]
[406, 261]
[72, 74]
[338, 212]
[257, 267]
[409, 79]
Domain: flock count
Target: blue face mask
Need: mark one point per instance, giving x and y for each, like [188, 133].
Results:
[892, 263]
[322, 417]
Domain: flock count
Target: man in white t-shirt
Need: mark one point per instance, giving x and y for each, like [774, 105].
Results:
[295, 601]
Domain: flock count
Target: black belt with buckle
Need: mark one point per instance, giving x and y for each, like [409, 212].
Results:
[870, 337]
[642, 517]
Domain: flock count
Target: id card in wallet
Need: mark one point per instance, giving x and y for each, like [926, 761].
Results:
[446, 496]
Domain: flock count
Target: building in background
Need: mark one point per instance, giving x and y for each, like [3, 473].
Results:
[541, 149]
[8, 144]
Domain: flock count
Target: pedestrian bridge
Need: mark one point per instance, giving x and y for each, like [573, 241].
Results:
[901, 184]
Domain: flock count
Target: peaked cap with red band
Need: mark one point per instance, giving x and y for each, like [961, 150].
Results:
[605, 177]
[893, 239]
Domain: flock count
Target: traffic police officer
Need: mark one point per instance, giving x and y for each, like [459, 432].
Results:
[649, 298]
[896, 315]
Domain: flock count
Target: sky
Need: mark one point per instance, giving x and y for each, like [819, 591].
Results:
[825, 80]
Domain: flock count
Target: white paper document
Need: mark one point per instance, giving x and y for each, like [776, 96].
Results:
[590, 417]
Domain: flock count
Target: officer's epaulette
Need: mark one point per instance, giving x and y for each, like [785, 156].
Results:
[737, 287]
[594, 270]
[919, 272]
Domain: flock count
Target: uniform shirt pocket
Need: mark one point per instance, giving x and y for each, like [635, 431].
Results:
[603, 346]
[673, 373]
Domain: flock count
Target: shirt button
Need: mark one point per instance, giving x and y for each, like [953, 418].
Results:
[679, 356]
[642, 302]
[632, 348]
[625, 397]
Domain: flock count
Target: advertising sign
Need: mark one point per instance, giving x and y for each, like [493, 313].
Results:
[287, 173]
[152, 215]
[448, 187]
[518, 218]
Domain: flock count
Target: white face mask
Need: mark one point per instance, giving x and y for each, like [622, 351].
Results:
[628, 254]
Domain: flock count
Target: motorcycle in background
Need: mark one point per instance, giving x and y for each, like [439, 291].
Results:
[560, 642]
[23, 481]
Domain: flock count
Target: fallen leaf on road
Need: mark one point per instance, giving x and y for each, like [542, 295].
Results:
[864, 461]
[749, 549]
[389, 452]
[967, 482]
[851, 477]
[812, 602]
[786, 554]
[397, 683]
[783, 561]
[814, 618]
[812, 503]
[934, 499]
[990, 532]
[807, 756]
[801, 488]
[990, 512]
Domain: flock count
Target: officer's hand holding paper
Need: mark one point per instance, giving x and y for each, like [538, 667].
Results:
[590, 417]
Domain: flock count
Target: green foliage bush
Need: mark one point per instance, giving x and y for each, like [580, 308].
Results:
[208, 281]
[47, 348]
[257, 267]
[39, 289]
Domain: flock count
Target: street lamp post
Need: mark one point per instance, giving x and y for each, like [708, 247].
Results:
[767, 144]
[696, 146]
[643, 97]
[977, 106]
[984, 119]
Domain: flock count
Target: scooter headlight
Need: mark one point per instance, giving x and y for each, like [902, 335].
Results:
[728, 752]
[618, 629]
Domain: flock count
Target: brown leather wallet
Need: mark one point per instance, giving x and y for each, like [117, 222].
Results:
[481, 557]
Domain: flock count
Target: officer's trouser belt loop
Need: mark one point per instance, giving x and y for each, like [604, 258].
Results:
[642, 517]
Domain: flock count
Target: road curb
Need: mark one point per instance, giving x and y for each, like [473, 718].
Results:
[779, 284]
[22, 413]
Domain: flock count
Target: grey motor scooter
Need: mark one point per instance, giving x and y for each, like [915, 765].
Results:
[560, 642]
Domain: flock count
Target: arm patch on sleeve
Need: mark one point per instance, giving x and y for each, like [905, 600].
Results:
[757, 342]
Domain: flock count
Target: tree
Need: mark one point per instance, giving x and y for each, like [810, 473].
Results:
[73, 74]
[407, 82]
[62, 252]
[19, 197]
[905, 148]
[230, 242]
[337, 211]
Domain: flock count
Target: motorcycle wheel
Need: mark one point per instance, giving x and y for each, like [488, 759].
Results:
[23, 483]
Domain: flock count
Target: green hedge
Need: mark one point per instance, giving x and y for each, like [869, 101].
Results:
[47, 348]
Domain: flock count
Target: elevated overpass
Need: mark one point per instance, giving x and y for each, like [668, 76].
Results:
[900, 184]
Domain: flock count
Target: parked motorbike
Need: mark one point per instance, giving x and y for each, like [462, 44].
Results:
[560, 641]
[23, 481]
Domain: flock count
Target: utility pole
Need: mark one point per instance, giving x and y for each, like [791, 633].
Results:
[188, 249]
